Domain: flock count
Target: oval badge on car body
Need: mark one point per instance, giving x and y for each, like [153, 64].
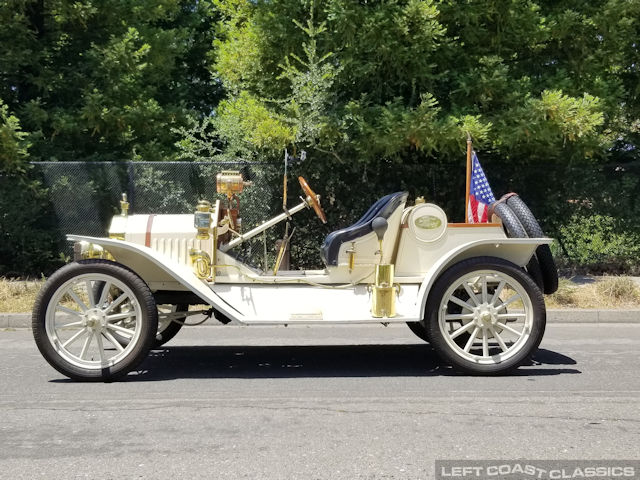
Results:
[428, 222]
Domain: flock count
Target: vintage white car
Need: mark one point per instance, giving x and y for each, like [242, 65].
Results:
[474, 291]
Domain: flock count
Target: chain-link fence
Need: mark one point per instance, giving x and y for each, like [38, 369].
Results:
[85, 196]
[592, 210]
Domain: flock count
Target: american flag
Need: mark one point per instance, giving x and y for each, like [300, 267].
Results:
[480, 194]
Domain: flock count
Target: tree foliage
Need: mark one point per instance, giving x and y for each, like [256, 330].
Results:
[106, 80]
[381, 89]
[545, 81]
[381, 93]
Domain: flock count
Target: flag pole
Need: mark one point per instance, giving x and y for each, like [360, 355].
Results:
[466, 198]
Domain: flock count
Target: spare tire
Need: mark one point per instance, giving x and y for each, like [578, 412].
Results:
[543, 252]
[515, 229]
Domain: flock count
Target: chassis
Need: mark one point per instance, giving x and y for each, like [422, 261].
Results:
[474, 291]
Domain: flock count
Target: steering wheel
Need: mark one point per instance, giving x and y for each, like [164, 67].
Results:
[313, 198]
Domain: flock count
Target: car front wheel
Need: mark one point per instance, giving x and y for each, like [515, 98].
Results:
[77, 330]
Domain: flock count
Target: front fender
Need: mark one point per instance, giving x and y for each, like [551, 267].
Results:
[515, 250]
[155, 268]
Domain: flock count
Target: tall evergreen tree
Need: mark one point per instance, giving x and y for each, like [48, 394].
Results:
[106, 80]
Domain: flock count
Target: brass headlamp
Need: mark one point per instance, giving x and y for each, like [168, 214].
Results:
[230, 183]
[202, 219]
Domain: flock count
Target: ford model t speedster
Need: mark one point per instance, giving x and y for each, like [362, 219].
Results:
[474, 291]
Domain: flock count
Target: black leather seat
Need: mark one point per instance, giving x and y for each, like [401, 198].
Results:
[382, 208]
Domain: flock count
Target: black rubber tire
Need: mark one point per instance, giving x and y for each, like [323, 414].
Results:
[418, 329]
[142, 294]
[172, 329]
[515, 229]
[510, 221]
[543, 252]
[465, 267]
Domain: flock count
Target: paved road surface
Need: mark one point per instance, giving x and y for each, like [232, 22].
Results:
[316, 402]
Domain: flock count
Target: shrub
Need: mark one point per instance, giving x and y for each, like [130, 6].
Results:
[600, 243]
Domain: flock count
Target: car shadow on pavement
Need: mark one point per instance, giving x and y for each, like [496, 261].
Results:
[413, 360]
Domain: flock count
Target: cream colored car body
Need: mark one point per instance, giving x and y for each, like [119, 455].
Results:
[418, 242]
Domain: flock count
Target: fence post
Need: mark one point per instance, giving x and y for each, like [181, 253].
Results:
[131, 186]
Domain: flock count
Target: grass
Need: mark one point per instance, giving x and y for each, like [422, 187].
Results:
[606, 293]
[18, 296]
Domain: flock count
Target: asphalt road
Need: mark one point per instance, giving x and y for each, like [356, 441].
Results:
[316, 402]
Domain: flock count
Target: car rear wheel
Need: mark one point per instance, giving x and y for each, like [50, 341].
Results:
[168, 323]
[485, 316]
[75, 330]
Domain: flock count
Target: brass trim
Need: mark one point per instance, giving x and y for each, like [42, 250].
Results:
[201, 263]
[383, 298]
[351, 251]
[124, 206]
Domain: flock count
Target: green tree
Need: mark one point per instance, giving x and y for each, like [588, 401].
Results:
[106, 80]
[28, 238]
[526, 78]
[382, 93]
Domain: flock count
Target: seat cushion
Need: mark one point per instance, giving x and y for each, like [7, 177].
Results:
[382, 208]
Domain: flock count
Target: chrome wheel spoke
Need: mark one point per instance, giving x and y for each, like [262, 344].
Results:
[124, 331]
[75, 337]
[76, 299]
[87, 342]
[119, 316]
[72, 324]
[69, 311]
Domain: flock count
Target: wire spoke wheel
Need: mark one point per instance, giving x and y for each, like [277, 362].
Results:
[82, 314]
[488, 316]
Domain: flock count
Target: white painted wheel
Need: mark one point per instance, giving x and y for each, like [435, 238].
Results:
[485, 316]
[81, 328]
[78, 330]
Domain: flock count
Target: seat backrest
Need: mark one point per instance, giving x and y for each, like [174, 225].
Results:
[382, 208]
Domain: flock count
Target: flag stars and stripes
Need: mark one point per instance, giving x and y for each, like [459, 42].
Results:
[480, 194]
